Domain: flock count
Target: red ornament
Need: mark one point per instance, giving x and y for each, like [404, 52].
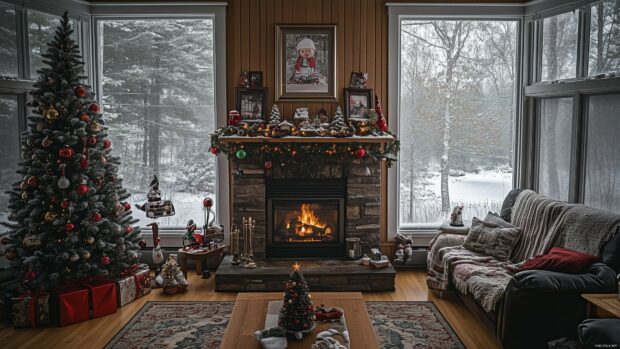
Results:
[105, 260]
[65, 152]
[113, 178]
[142, 243]
[129, 229]
[207, 202]
[91, 140]
[84, 117]
[32, 181]
[96, 217]
[107, 144]
[94, 108]
[69, 227]
[214, 150]
[268, 164]
[84, 163]
[64, 204]
[30, 275]
[80, 91]
[127, 206]
[360, 153]
[81, 189]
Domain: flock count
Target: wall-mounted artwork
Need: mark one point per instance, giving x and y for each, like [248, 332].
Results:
[251, 103]
[357, 101]
[306, 62]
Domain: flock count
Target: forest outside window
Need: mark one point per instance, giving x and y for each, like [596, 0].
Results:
[559, 46]
[9, 151]
[456, 119]
[604, 45]
[157, 86]
[8, 41]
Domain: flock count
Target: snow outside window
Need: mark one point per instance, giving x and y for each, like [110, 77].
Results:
[157, 79]
[604, 37]
[8, 41]
[457, 112]
[41, 29]
[9, 151]
[559, 46]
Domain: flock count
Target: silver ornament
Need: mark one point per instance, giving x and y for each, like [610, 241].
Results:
[63, 182]
[74, 258]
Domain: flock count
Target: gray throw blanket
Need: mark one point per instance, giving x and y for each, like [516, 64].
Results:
[587, 229]
[541, 221]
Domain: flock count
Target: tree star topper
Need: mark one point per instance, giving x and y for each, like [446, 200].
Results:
[296, 266]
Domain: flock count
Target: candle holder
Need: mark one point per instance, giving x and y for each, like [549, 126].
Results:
[234, 245]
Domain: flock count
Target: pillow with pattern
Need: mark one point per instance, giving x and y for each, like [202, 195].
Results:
[491, 239]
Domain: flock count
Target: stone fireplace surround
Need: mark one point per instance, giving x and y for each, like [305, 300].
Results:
[363, 203]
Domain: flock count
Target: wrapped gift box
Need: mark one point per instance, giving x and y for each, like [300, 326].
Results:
[72, 303]
[134, 283]
[101, 296]
[31, 309]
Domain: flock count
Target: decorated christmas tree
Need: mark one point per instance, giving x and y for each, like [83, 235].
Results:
[68, 216]
[297, 312]
[275, 119]
[171, 277]
[338, 126]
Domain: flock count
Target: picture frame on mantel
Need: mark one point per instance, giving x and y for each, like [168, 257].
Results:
[251, 102]
[357, 101]
[306, 62]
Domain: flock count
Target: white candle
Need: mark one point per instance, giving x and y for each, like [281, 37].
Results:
[351, 254]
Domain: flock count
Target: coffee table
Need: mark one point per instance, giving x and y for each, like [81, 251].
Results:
[602, 304]
[251, 308]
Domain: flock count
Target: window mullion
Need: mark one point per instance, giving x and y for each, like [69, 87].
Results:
[583, 42]
[575, 180]
[21, 30]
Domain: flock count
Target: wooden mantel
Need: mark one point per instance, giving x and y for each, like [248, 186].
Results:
[299, 139]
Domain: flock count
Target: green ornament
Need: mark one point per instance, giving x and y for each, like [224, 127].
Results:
[241, 154]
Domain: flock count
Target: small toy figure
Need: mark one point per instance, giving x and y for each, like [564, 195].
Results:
[456, 217]
[404, 249]
[155, 207]
[234, 118]
[306, 63]
[243, 80]
[189, 240]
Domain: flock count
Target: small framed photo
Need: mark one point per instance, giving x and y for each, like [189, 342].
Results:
[356, 102]
[256, 78]
[358, 79]
[251, 103]
[306, 62]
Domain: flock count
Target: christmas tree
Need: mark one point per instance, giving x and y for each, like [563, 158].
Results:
[338, 125]
[297, 313]
[171, 277]
[275, 120]
[68, 217]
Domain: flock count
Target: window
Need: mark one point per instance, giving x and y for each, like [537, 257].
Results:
[41, 27]
[456, 117]
[602, 182]
[9, 150]
[556, 118]
[157, 85]
[559, 46]
[8, 41]
[604, 37]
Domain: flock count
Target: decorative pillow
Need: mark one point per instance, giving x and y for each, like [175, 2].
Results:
[493, 218]
[561, 260]
[491, 239]
[509, 201]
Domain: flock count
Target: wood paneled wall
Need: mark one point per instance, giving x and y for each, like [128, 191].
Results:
[361, 42]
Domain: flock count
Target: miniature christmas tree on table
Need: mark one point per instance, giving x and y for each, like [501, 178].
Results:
[297, 314]
[171, 277]
[338, 127]
[275, 118]
[69, 218]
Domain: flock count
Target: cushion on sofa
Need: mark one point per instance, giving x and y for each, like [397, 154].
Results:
[611, 252]
[499, 221]
[491, 239]
[485, 282]
[509, 201]
[561, 260]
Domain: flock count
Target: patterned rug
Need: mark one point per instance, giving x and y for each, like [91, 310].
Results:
[202, 324]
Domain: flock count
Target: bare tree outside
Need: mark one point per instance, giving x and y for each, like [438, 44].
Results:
[457, 115]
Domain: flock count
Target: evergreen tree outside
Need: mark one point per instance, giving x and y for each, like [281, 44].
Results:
[297, 312]
[68, 218]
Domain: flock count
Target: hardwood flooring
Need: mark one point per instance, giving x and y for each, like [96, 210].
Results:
[410, 286]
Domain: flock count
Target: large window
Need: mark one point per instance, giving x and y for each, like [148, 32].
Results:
[456, 118]
[8, 41]
[9, 151]
[555, 130]
[157, 84]
[604, 37]
[559, 46]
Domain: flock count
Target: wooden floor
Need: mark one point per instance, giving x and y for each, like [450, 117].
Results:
[410, 286]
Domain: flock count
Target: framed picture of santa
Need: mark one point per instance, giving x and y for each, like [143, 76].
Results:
[306, 62]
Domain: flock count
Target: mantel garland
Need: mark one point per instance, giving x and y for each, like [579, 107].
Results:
[319, 153]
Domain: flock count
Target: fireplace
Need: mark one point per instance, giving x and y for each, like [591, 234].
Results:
[305, 218]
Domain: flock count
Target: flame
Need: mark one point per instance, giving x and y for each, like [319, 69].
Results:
[308, 218]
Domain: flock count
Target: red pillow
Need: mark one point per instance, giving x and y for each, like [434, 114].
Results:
[561, 260]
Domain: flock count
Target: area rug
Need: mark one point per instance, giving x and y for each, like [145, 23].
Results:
[202, 325]
[404, 325]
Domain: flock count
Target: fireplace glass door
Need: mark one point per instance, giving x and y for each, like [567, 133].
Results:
[305, 221]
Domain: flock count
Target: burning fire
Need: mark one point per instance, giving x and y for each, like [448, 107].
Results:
[308, 226]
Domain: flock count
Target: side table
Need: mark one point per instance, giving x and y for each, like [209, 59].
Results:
[602, 304]
[208, 258]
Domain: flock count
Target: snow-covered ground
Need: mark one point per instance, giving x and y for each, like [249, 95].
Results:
[479, 192]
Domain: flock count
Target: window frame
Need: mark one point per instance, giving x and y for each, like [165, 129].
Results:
[397, 13]
[215, 11]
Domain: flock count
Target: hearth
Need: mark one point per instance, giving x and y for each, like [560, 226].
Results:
[306, 218]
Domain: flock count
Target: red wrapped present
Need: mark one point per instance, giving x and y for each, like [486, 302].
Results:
[72, 303]
[102, 296]
[134, 283]
[31, 309]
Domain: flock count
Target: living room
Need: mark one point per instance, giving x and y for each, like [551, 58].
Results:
[310, 174]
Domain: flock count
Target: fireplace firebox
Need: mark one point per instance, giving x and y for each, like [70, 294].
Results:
[306, 218]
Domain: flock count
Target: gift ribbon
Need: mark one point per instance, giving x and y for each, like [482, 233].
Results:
[32, 307]
[130, 271]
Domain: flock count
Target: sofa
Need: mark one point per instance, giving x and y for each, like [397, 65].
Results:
[529, 308]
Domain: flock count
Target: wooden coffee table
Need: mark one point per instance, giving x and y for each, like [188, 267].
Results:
[251, 308]
[603, 304]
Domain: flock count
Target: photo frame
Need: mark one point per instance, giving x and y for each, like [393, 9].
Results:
[356, 102]
[256, 78]
[251, 103]
[306, 62]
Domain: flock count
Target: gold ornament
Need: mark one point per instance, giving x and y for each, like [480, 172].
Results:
[50, 216]
[95, 127]
[290, 301]
[51, 114]
[89, 240]
[86, 255]
[24, 195]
